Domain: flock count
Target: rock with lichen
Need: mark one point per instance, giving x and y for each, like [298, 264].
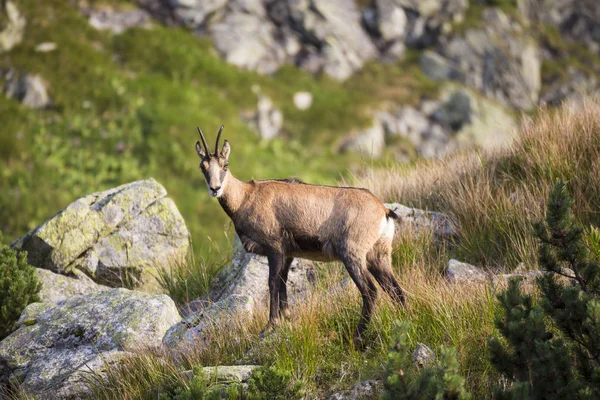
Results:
[118, 237]
[56, 346]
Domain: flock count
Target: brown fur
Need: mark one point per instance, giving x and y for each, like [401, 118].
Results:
[284, 219]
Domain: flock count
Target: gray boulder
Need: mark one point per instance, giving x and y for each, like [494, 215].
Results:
[55, 348]
[498, 60]
[117, 21]
[429, 19]
[194, 13]
[12, 25]
[118, 237]
[28, 89]
[369, 142]
[58, 287]
[420, 221]
[428, 137]
[248, 275]
[577, 20]
[391, 20]
[457, 271]
[423, 356]
[439, 68]
[247, 40]
[223, 314]
[226, 373]
[370, 389]
[238, 291]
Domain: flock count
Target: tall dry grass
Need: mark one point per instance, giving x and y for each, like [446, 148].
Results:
[315, 344]
[495, 195]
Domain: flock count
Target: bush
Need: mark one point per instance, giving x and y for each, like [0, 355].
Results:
[200, 388]
[272, 383]
[404, 381]
[561, 359]
[18, 287]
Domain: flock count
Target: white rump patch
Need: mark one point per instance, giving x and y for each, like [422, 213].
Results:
[386, 228]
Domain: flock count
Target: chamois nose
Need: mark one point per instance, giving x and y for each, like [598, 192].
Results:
[215, 189]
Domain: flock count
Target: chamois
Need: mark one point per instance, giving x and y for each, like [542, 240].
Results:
[284, 219]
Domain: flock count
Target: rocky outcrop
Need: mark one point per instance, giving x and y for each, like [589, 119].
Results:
[56, 346]
[12, 25]
[441, 226]
[107, 19]
[30, 90]
[117, 237]
[423, 356]
[369, 142]
[577, 20]
[459, 118]
[499, 61]
[58, 287]
[370, 389]
[457, 271]
[223, 314]
[226, 373]
[237, 291]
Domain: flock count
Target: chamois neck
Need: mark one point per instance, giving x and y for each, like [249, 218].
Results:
[233, 195]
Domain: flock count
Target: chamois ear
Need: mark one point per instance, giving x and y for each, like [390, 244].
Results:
[226, 150]
[200, 150]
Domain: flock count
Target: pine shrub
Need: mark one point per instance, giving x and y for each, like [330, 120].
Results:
[552, 349]
[18, 287]
[272, 383]
[405, 381]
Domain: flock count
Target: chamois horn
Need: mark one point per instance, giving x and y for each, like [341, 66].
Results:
[203, 140]
[218, 138]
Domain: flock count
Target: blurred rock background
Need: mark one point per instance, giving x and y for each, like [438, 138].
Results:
[101, 93]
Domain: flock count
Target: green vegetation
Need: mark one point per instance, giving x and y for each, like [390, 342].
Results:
[558, 360]
[404, 381]
[548, 344]
[201, 388]
[271, 383]
[188, 280]
[125, 107]
[495, 196]
[18, 287]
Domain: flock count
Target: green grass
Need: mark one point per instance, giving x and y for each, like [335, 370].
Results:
[125, 107]
[315, 345]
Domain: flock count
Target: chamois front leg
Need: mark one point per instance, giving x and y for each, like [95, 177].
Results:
[276, 260]
[283, 302]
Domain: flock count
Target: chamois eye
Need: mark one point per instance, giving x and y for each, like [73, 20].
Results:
[225, 166]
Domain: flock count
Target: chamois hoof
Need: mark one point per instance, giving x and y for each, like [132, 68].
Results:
[359, 342]
[285, 313]
[267, 330]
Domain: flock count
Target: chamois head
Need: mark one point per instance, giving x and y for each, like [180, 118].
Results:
[214, 166]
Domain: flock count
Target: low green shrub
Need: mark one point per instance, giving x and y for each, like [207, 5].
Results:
[200, 388]
[549, 340]
[442, 380]
[272, 383]
[18, 287]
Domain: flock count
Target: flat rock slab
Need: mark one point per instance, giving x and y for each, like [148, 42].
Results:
[457, 271]
[422, 221]
[223, 314]
[55, 345]
[226, 373]
[58, 287]
[117, 237]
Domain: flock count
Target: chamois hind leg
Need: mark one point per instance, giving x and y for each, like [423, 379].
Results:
[276, 263]
[356, 267]
[283, 303]
[379, 263]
